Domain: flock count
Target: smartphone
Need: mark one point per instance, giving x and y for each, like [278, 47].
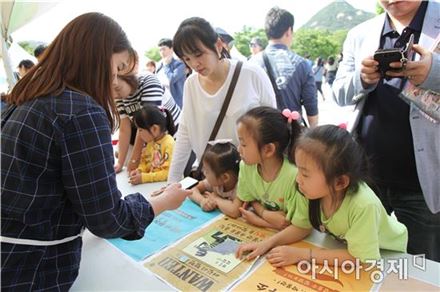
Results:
[386, 56]
[188, 183]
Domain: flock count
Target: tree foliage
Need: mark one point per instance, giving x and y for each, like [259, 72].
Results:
[379, 9]
[153, 54]
[243, 38]
[28, 46]
[318, 43]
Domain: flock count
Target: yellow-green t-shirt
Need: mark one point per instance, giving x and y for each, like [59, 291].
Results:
[273, 195]
[361, 221]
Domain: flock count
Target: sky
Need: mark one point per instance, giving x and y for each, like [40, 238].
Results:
[146, 22]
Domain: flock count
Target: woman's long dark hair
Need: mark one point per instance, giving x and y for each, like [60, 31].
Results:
[192, 31]
[79, 58]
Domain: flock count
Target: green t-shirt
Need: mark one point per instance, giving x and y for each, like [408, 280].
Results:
[272, 195]
[361, 221]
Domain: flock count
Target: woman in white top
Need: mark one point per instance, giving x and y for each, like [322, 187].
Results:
[199, 46]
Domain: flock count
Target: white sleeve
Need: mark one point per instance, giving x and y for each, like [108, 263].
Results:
[181, 153]
[182, 148]
[264, 87]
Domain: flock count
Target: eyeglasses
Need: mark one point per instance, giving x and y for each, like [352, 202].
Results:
[253, 45]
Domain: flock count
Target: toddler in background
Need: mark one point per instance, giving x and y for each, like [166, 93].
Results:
[155, 128]
[266, 180]
[332, 170]
[220, 166]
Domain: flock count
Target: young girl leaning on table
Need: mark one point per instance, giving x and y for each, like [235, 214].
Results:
[221, 162]
[155, 126]
[265, 181]
[335, 199]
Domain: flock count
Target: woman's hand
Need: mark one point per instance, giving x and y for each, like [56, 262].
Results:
[171, 198]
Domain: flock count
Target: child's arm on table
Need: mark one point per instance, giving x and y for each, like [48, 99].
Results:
[288, 235]
[227, 207]
[275, 219]
[203, 201]
[288, 255]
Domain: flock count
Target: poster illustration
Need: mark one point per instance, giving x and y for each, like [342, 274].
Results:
[205, 259]
[311, 278]
[215, 249]
[171, 225]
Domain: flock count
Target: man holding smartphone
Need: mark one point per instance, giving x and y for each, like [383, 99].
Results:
[403, 145]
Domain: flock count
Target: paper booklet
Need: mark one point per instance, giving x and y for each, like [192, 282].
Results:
[427, 101]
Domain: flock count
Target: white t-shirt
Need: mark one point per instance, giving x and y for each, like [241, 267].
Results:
[200, 112]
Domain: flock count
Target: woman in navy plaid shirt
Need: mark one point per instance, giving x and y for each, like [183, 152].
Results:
[57, 173]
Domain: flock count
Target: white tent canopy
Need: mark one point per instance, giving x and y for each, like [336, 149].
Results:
[13, 15]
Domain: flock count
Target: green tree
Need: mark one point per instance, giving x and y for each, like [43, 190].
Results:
[243, 37]
[379, 9]
[28, 46]
[153, 54]
[316, 43]
[338, 37]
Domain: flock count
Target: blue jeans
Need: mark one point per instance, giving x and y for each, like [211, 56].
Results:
[410, 209]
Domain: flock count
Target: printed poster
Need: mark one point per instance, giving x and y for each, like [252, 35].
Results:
[171, 225]
[205, 260]
[289, 278]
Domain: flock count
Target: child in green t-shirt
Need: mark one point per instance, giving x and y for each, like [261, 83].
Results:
[265, 181]
[331, 172]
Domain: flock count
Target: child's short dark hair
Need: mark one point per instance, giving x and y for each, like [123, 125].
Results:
[268, 125]
[150, 115]
[222, 157]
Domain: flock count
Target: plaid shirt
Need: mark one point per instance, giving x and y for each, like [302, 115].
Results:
[57, 176]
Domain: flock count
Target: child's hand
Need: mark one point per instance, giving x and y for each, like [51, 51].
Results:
[249, 216]
[135, 177]
[287, 255]
[276, 218]
[249, 251]
[208, 204]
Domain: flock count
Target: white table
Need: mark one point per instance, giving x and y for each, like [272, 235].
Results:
[103, 268]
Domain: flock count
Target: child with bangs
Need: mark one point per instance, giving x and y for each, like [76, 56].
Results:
[220, 166]
[334, 198]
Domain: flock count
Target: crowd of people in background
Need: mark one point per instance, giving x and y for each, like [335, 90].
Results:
[248, 128]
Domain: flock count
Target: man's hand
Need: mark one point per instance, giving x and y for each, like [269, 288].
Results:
[369, 72]
[415, 71]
